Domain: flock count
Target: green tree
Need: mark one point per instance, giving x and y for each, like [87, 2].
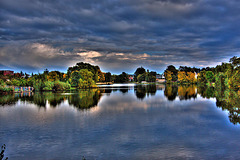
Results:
[150, 76]
[48, 85]
[86, 80]
[15, 82]
[138, 71]
[123, 78]
[108, 77]
[89, 67]
[74, 78]
[60, 86]
[202, 77]
[38, 85]
[235, 61]
[1, 82]
[210, 76]
[53, 76]
[141, 77]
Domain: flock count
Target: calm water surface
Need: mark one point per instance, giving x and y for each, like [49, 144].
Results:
[122, 122]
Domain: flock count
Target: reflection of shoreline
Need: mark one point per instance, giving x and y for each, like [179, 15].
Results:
[142, 91]
[226, 99]
[83, 99]
[86, 99]
[182, 92]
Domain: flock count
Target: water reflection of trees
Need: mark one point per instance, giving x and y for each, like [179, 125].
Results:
[206, 92]
[8, 99]
[83, 99]
[142, 91]
[187, 92]
[183, 92]
[227, 100]
[171, 92]
[230, 102]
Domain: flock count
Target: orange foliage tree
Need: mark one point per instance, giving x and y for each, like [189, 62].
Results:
[53, 76]
[168, 76]
[182, 76]
[191, 77]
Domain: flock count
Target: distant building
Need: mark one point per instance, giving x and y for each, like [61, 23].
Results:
[196, 75]
[6, 72]
[160, 76]
[131, 78]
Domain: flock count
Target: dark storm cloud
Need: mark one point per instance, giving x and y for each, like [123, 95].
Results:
[151, 33]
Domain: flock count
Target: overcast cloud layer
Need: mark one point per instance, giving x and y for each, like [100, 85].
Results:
[117, 35]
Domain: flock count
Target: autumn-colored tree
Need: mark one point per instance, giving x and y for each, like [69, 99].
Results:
[234, 81]
[191, 77]
[52, 76]
[101, 76]
[85, 74]
[174, 71]
[86, 80]
[168, 76]
[182, 76]
[64, 77]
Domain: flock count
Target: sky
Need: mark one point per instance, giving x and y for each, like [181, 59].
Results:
[117, 35]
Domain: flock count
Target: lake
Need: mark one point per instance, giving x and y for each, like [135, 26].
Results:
[122, 122]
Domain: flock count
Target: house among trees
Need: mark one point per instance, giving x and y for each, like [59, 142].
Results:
[6, 72]
[131, 77]
[160, 76]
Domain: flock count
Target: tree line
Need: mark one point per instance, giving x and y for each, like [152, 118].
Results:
[226, 75]
[82, 75]
[85, 75]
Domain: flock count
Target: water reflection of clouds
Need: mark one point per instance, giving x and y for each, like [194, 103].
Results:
[120, 126]
[155, 127]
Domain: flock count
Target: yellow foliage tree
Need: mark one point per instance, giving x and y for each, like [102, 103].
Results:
[101, 76]
[191, 77]
[182, 76]
[64, 76]
[168, 76]
[52, 76]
